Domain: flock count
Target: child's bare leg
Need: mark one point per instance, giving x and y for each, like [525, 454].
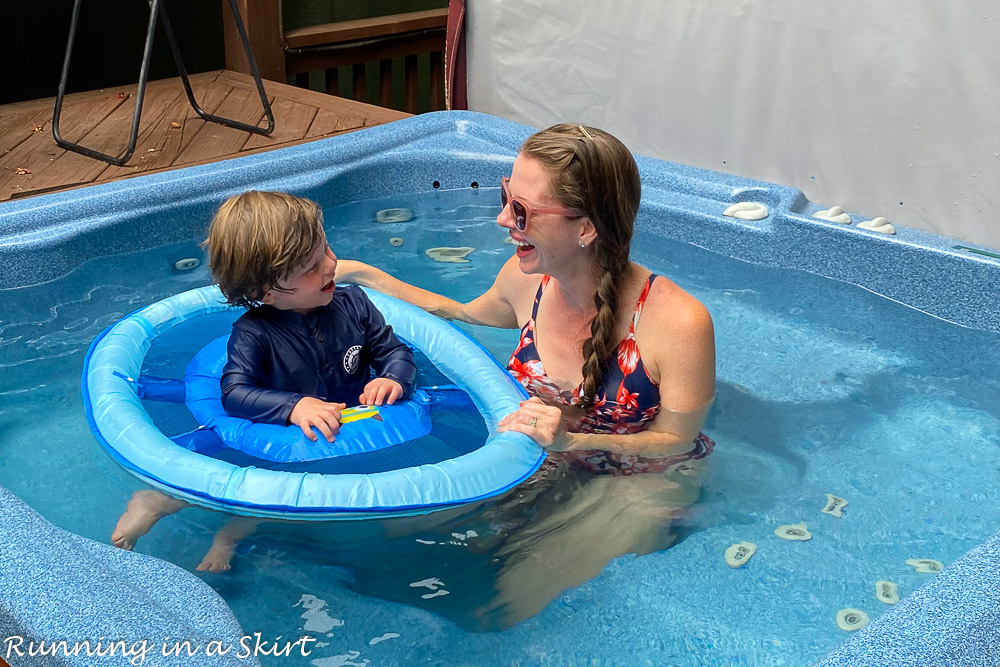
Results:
[224, 544]
[143, 510]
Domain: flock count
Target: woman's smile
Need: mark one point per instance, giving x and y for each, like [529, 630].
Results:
[522, 248]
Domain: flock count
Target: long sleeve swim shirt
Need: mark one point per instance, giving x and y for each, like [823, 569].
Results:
[277, 357]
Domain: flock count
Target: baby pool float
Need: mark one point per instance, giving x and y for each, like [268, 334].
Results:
[397, 477]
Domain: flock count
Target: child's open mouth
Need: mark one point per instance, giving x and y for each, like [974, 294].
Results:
[328, 288]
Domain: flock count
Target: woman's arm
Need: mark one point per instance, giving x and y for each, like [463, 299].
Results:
[654, 442]
[492, 309]
[675, 436]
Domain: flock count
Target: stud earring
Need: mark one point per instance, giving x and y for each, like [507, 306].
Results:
[583, 244]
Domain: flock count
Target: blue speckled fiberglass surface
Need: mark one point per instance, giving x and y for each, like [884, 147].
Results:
[825, 387]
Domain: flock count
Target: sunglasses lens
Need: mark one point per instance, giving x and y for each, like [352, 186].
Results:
[516, 207]
[520, 215]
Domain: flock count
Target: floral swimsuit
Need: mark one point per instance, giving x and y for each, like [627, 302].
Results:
[627, 401]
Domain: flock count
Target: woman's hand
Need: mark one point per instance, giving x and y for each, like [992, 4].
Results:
[311, 413]
[540, 422]
[381, 390]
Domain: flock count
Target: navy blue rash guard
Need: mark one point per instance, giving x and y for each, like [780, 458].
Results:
[276, 357]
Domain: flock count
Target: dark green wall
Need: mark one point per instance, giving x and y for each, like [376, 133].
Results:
[109, 43]
[300, 13]
[111, 35]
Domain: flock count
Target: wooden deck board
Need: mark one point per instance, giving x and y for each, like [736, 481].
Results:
[18, 126]
[328, 121]
[298, 117]
[162, 142]
[39, 150]
[111, 135]
[371, 115]
[102, 119]
[214, 139]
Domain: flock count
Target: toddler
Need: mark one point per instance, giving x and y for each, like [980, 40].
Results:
[302, 352]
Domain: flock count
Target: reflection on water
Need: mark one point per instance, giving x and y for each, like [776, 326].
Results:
[823, 388]
[488, 567]
[485, 568]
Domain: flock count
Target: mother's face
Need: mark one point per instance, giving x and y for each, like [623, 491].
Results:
[550, 242]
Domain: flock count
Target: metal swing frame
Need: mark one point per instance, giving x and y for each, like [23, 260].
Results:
[157, 12]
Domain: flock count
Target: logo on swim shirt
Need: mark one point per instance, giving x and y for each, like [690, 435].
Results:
[351, 359]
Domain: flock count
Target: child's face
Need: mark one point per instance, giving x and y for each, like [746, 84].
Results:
[310, 286]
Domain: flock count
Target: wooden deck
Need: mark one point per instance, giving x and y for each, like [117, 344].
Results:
[171, 135]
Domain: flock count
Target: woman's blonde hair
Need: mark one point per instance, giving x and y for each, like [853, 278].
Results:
[593, 171]
[256, 239]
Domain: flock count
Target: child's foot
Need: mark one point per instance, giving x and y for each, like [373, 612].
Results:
[218, 558]
[144, 509]
[223, 548]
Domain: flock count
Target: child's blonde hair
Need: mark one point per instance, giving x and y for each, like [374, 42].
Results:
[257, 239]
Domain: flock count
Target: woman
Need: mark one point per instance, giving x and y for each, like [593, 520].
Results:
[620, 364]
[612, 391]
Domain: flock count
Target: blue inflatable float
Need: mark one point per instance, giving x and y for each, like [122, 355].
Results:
[151, 393]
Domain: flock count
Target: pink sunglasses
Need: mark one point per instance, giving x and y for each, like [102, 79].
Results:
[522, 208]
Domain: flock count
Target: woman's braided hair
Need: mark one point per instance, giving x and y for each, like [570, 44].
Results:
[593, 171]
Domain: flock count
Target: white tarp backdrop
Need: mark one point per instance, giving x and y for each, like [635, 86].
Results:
[885, 108]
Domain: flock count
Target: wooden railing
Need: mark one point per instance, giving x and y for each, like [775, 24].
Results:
[353, 44]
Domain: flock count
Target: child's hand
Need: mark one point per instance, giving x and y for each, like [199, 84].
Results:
[311, 412]
[381, 390]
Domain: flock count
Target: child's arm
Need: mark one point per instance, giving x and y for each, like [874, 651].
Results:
[244, 391]
[390, 357]
[245, 395]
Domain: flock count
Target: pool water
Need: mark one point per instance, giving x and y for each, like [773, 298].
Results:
[823, 387]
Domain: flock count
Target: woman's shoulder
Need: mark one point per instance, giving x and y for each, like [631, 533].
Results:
[669, 308]
[517, 287]
[512, 274]
[677, 341]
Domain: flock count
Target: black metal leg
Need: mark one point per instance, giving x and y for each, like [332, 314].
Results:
[253, 70]
[143, 73]
[156, 12]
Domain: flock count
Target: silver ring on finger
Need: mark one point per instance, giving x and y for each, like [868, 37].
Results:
[532, 421]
